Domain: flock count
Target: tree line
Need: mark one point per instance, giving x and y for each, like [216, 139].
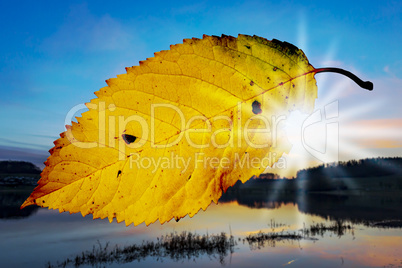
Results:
[369, 167]
[18, 167]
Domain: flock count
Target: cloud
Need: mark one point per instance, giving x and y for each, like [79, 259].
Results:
[85, 32]
[193, 8]
[23, 144]
[34, 156]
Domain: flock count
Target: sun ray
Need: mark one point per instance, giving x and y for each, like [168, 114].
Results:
[302, 40]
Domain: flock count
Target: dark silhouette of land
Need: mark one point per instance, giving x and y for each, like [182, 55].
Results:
[364, 175]
[17, 173]
[18, 167]
[367, 191]
[322, 178]
[17, 180]
[363, 191]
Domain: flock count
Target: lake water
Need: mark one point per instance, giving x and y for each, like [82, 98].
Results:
[44, 236]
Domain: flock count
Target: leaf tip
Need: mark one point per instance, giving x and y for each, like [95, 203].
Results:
[27, 202]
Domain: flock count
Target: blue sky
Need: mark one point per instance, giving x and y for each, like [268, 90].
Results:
[55, 54]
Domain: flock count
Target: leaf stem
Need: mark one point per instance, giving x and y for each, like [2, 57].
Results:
[364, 84]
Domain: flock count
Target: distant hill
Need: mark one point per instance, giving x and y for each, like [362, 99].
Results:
[17, 173]
[18, 167]
[369, 167]
[379, 174]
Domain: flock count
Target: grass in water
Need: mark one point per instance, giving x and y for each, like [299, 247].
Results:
[185, 245]
[190, 246]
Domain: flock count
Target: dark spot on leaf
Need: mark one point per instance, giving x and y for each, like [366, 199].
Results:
[256, 107]
[251, 83]
[128, 138]
[43, 201]
[118, 173]
[281, 83]
[247, 46]
[93, 202]
[275, 68]
[189, 178]
[177, 219]
[286, 47]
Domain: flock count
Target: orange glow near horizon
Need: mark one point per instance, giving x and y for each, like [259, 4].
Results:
[376, 133]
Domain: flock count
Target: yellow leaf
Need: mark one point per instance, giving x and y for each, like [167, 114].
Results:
[166, 138]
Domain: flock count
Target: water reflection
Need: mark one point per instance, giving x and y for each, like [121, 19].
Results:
[357, 207]
[376, 209]
[11, 200]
